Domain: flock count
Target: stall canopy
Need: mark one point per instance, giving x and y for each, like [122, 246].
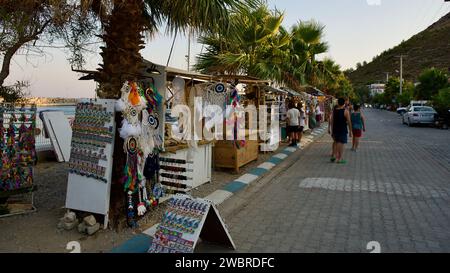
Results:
[271, 89]
[312, 91]
[291, 92]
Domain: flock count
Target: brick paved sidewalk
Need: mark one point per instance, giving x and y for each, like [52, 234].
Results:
[395, 190]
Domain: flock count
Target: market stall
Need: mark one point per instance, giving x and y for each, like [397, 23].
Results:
[234, 154]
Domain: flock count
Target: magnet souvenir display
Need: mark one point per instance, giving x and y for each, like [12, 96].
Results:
[17, 146]
[90, 135]
[180, 222]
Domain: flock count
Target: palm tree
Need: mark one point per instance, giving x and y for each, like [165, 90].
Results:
[124, 23]
[247, 46]
[329, 73]
[307, 43]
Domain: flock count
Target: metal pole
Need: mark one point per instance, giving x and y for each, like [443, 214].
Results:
[401, 74]
[189, 52]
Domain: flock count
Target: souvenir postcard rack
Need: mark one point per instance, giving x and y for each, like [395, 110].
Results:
[187, 220]
[90, 165]
[18, 155]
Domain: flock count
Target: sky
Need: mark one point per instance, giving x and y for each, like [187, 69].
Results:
[356, 31]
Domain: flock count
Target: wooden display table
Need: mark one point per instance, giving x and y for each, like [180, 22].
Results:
[227, 155]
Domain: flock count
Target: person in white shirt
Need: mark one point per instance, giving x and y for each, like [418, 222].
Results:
[293, 122]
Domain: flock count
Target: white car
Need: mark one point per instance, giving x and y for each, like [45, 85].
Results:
[419, 115]
[402, 110]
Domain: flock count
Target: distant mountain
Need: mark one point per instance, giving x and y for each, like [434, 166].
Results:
[429, 48]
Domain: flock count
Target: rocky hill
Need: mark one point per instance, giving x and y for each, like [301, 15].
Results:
[429, 48]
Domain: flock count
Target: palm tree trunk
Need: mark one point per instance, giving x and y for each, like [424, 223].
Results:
[121, 61]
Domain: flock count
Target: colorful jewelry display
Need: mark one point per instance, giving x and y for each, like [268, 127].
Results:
[91, 133]
[174, 175]
[17, 146]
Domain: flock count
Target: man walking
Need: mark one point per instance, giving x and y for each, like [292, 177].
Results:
[293, 118]
[341, 126]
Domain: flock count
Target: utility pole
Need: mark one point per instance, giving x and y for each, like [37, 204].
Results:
[401, 71]
[387, 76]
[189, 52]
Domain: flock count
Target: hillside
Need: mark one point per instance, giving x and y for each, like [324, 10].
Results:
[429, 48]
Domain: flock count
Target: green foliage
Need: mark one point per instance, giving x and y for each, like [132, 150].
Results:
[441, 101]
[407, 95]
[255, 44]
[363, 94]
[15, 92]
[431, 81]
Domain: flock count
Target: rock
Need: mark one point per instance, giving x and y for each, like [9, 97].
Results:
[70, 225]
[60, 225]
[82, 227]
[89, 220]
[93, 229]
[70, 217]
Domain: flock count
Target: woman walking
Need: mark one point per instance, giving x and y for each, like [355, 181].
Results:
[339, 123]
[358, 126]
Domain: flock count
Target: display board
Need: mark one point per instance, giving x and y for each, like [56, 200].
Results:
[17, 157]
[17, 146]
[60, 133]
[91, 158]
[184, 222]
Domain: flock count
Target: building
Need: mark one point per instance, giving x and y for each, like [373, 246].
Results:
[376, 88]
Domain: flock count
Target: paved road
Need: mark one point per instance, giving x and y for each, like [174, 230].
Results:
[395, 190]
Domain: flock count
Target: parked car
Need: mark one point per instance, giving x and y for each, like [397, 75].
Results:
[402, 110]
[419, 115]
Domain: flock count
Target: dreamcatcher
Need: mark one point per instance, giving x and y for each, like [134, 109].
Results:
[140, 131]
[216, 94]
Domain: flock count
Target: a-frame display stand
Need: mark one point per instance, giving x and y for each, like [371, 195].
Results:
[185, 221]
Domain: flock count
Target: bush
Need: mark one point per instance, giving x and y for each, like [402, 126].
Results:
[441, 101]
[431, 81]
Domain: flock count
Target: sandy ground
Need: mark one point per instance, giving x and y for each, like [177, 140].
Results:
[37, 232]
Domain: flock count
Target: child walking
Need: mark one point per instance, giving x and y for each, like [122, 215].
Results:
[358, 126]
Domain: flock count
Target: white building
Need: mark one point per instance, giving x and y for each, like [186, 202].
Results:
[376, 88]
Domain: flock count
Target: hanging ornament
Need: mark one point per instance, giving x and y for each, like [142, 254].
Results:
[219, 88]
[133, 97]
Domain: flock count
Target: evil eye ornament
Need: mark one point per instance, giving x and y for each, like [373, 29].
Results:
[132, 145]
[153, 121]
[219, 88]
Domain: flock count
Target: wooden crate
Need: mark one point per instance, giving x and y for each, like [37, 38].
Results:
[227, 155]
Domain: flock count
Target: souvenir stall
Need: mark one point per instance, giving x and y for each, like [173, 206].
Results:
[187, 157]
[298, 98]
[18, 155]
[233, 154]
[278, 97]
[141, 107]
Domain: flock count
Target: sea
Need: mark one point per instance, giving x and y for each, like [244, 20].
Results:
[69, 110]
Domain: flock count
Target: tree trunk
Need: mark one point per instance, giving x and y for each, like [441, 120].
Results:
[4, 73]
[121, 61]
